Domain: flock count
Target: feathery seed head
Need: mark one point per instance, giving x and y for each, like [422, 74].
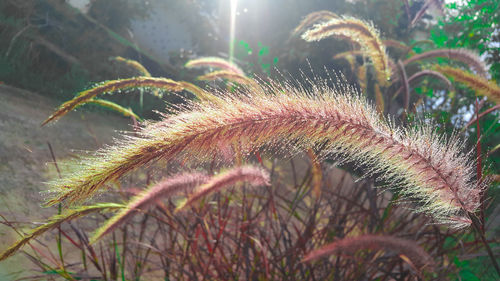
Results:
[57, 220]
[248, 174]
[112, 86]
[229, 75]
[465, 56]
[479, 84]
[199, 92]
[166, 188]
[360, 32]
[418, 257]
[216, 63]
[133, 64]
[422, 165]
[313, 18]
[116, 107]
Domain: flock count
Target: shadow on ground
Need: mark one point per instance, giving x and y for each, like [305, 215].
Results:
[26, 162]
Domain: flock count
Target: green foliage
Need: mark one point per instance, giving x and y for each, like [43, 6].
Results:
[473, 25]
[50, 41]
[264, 58]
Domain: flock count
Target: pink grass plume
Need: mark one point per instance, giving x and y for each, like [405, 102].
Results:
[165, 188]
[408, 249]
[247, 174]
[215, 62]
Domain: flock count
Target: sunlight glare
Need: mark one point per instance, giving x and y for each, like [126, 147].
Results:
[232, 28]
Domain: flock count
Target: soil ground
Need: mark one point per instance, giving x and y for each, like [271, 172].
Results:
[26, 162]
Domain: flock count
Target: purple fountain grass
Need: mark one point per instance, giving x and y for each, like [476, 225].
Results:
[111, 86]
[168, 187]
[435, 74]
[216, 63]
[229, 75]
[56, 221]
[426, 72]
[359, 32]
[116, 107]
[313, 18]
[199, 92]
[397, 45]
[133, 64]
[139, 68]
[232, 77]
[124, 84]
[422, 164]
[247, 174]
[409, 248]
[465, 56]
[479, 84]
[345, 54]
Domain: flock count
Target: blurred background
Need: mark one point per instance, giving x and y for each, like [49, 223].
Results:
[57, 47]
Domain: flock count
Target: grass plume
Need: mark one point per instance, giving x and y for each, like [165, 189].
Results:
[409, 248]
[199, 92]
[247, 174]
[229, 75]
[422, 164]
[397, 45]
[233, 77]
[165, 188]
[116, 107]
[57, 220]
[133, 64]
[479, 84]
[423, 73]
[359, 32]
[112, 86]
[313, 18]
[215, 62]
[347, 54]
[465, 56]
[140, 69]
[432, 73]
